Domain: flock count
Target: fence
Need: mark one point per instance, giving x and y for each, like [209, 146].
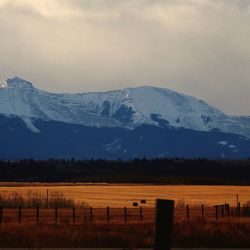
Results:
[116, 215]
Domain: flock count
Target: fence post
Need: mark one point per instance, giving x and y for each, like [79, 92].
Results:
[108, 213]
[74, 214]
[164, 217]
[222, 211]
[91, 214]
[1, 214]
[239, 209]
[56, 214]
[228, 210]
[37, 214]
[47, 198]
[125, 214]
[216, 212]
[19, 214]
[187, 210]
[85, 216]
[202, 211]
[141, 216]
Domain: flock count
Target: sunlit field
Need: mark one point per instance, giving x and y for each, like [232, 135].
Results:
[80, 217]
[124, 195]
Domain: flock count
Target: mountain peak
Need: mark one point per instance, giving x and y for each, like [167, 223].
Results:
[15, 82]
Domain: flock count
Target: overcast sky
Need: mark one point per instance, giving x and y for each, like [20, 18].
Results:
[197, 47]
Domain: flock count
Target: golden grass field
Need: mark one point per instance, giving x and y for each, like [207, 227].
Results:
[195, 231]
[103, 195]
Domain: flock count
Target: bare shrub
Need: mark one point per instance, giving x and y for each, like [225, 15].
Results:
[35, 199]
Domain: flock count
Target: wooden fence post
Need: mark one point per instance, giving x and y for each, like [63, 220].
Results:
[1, 214]
[239, 209]
[125, 214]
[19, 214]
[37, 214]
[222, 211]
[164, 216]
[74, 215]
[108, 214]
[202, 211]
[141, 215]
[91, 214]
[187, 211]
[216, 212]
[47, 198]
[56, 214]
[228, 210]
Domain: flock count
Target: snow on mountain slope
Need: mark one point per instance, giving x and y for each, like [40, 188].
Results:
[128, 108]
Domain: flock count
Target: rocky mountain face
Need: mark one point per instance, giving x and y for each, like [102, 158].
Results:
[132, 122]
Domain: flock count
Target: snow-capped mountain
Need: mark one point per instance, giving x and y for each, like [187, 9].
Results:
[126, 108]
[127, 123]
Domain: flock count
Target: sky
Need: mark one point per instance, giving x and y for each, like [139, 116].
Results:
[196, 47]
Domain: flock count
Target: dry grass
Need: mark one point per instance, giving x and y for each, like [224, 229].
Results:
[35, 199]
[131, 235]
[226, 232]
[89, 235]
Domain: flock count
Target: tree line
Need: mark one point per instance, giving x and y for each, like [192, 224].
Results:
[158, 171]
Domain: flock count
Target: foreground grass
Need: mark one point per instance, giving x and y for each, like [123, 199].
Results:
[91, 235]
[232, 233]
[194, 234]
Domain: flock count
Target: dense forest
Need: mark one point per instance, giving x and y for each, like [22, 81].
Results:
[158, 171]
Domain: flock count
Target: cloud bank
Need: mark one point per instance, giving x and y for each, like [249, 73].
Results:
[199, 47]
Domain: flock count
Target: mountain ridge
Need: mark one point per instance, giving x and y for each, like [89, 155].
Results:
[125, 108]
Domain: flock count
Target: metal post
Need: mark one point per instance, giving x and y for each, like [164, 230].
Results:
[164, 217]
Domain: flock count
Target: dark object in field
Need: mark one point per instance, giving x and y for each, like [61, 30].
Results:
[164, 219]
[143, 201]
[135, 204]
